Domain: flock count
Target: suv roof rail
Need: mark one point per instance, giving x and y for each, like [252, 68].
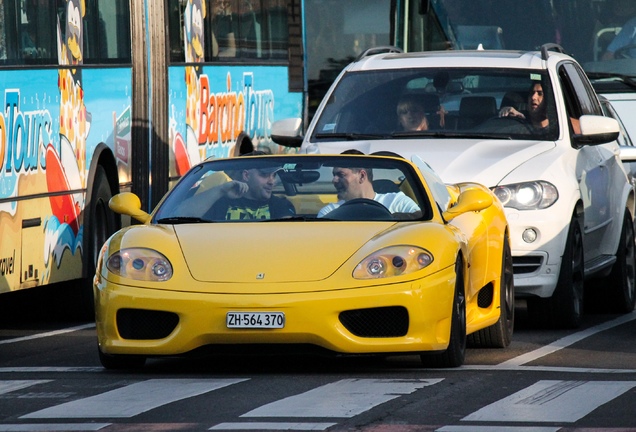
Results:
[380, 50]
[550, 47]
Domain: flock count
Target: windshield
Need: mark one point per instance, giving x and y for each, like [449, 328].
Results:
[585, 29]
[434, 102]
[297, 188]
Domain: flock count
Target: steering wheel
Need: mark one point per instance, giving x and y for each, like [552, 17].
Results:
[501, 124]
[624, 52]
[361, 209]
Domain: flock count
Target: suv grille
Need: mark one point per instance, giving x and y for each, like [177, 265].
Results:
[526, 264]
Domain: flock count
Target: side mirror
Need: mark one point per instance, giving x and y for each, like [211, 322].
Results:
[288, 132]
[127, 203]
[596, 130]
[628, 154]
[469, 200]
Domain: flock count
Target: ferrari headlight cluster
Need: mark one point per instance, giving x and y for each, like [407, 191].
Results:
[533, 195]
[393, 261]
[140, 264]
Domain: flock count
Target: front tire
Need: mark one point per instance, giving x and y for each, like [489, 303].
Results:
[565, 308]
[118, 362]
[455, 354]
[499, 335]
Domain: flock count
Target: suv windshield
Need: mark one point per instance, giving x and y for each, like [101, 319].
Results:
[433, 102]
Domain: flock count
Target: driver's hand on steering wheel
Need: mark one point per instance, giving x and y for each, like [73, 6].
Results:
[510, 112]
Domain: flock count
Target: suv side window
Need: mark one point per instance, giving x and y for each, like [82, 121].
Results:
[581, 90]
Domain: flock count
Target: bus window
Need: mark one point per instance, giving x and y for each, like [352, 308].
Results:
[106, 33]
[27, 32]
[231, 30]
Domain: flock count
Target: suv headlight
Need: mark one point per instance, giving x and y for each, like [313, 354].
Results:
[393, 261]
[140, 264]
[533, 195]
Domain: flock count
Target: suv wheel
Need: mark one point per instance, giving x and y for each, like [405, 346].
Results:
[565, 307]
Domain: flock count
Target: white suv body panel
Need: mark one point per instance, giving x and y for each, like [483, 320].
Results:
[590, 181]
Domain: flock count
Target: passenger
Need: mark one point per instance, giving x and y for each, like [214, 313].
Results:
[247, 196]
[537, 113]
[352, 183]
[411, 114]
[627, 35]
[224, 29]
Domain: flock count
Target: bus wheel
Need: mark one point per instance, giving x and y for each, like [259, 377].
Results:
[97, 228]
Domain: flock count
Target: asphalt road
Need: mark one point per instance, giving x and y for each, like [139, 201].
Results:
[547, 380]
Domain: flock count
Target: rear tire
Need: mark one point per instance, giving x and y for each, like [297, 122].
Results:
[622, 279]
[499, 335]
[455, 354]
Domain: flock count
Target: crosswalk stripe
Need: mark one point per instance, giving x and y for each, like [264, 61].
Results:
[552, 401]
[48, 427]
[133, 399]
[261, 426]
[498, 429]
[344, 398]
[12, 385]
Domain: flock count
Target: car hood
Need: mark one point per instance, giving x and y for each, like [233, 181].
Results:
[456, 160]
[272, 252]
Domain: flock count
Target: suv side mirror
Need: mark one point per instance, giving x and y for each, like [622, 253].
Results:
[596, 130]
[288, 132]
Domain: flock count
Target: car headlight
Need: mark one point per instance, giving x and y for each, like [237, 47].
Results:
[140, 264]
[533, 195]
[393, 261]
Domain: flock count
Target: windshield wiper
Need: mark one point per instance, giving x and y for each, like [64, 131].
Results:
[437, 134]
[292, 219]
[350, 136]
[176, 220]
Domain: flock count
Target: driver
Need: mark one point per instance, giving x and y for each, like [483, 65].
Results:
[537, 109]
[352, 183]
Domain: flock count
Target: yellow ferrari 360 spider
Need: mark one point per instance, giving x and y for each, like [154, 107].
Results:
[340, 254]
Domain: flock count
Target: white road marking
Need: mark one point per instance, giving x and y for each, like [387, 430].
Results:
[134, 399]
[260, 426]
[567, 341]
[35, 427]
[12, 385]
[497, 429]
[552, 401]
[51, 369]
[48, 334]
[345, 398]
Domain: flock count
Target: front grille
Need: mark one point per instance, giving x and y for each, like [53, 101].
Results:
[391, 321]
[145, 324]
[526, 264]
[485, 296]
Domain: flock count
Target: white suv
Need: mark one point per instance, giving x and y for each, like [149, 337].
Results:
[567, 197]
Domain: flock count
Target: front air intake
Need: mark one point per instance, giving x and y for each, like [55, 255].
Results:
[391, 321]
[139, 324]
